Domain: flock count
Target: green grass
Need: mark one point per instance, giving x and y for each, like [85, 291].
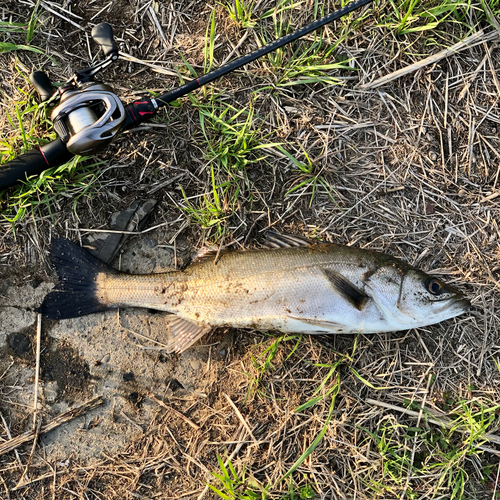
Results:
[31, 127]
[11, 28]
[440, 452]
[231, 137]
[302, 62]
[234, 486]
[37, 195]
[240, 11]
[414, 16]
[408, 459]
[213, 208]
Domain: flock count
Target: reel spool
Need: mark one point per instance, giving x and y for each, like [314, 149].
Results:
[88, 117]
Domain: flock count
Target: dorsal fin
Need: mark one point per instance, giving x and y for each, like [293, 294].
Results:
[278, 240]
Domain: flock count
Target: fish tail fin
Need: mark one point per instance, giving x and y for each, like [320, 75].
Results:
[76, 293]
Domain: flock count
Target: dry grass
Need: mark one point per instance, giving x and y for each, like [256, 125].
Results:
[410, 168]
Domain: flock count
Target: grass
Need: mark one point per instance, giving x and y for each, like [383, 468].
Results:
[409, 455]
[277, 144]
[413, 16]
[214, 208]
[417, 459]
[29, 120]
[36, 196]
[241, 11]
[232, 139]
[10, 28]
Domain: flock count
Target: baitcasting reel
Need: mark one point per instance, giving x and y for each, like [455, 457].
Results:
[89, 115]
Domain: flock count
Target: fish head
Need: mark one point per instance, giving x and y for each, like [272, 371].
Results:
[410, 298]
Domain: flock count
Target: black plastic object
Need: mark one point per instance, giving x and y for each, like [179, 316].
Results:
[43, 85]
[33, 162]
[138, 112]
[103, 35]
[270, 47]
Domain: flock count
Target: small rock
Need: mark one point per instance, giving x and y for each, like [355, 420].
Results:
[50, 390]
[195, 364]
[19, 343]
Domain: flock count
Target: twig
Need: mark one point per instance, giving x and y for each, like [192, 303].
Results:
[9, 435]
[6, 487]
[36, 432]
[154, 67]
[37, 368]
[36, 423]
[227, 59]
[152, 16]
[240, 416]
[36, 480]
[468, 43]
[173, 410]
[56, 422]
[52, 11]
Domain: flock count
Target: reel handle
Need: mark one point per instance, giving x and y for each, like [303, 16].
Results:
[103, 35]
[42, 84]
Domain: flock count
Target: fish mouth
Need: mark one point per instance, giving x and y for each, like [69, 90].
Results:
[455, 306]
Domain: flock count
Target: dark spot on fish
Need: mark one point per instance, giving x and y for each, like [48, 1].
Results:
[128, 377]
[368, 274]
[163, 290]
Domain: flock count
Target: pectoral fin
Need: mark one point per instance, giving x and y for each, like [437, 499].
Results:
[346, 289]
[183, 333]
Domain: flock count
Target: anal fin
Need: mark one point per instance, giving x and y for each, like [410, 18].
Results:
[183, 333]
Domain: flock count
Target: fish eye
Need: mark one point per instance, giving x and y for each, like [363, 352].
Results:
[434, 286]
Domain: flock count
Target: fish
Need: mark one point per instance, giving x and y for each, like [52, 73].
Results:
[291, 285]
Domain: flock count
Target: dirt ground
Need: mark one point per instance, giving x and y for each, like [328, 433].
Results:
[410, 168]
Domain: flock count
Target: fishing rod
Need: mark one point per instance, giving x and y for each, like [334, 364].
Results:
[87, 115]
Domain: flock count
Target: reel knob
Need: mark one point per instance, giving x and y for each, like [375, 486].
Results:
[103, 35]
[42, 84]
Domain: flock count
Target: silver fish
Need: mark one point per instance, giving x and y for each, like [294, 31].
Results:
[296, 287]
